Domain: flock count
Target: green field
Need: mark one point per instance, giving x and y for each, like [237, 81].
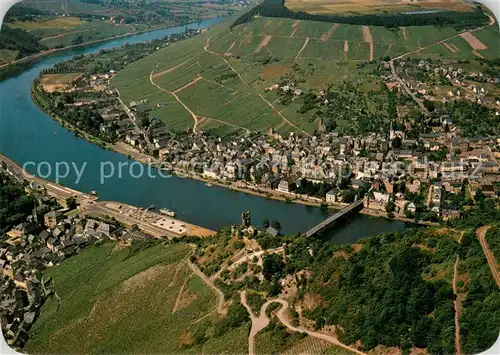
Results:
[221, 75]
[121, 300]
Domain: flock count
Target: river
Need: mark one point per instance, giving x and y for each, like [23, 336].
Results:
[29, 135]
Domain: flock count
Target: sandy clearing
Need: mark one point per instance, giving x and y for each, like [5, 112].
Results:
[367, 36]
[404, 32]
[346, 47]
[172, 68]
[303, 47]
[263, 43]
[473, 41]
[450, 48]
[191, 83]
[293, 32]
[228, 52]
[296, 23]
[326, 36]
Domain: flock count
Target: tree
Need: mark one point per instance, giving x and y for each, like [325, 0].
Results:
[273, 267]
[276, 225]
[266, 223]
[71, 203]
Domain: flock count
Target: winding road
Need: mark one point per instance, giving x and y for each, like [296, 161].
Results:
[262, 321]
[481, 235]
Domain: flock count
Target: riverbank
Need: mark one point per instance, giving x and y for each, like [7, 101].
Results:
[155, 224]
[56, 50]
[236, 186]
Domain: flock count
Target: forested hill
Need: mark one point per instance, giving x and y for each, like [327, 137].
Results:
[19, 40]
[15, 205]
[396, 289]
[458, 20]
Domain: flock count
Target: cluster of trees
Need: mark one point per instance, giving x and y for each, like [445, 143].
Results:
[22, 13]
[16, 39]
[379, 296]
[309, 188]
[15, 205]
[480, 318]
[459, 20]
[474, 120]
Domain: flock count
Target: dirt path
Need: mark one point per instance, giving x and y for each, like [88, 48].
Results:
[263, 43]
[220, 305]
[450, 48]
[481, 235]
[61, 35]
[283, 117]
[367, 36]
[172, 68]
[258, 323]
[195, 118]
[249, 257]
[491, 23]
[262, 321]
[457, 306]
[303, 47]
[207, 44]
[203, 119]
[179, 295]
[326, 36]
[404, 32]
[191, 83]
[228, 52]
[388, 50]
[407, 89]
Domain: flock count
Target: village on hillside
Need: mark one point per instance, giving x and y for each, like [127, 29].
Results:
[429, 175]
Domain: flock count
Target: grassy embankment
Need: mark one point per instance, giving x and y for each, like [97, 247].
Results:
[128, 299]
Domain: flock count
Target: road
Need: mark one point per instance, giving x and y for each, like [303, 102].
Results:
[457, 306]
[481, 235]
[407, 89]
[262, 321]
[195, 117]
[221, 309]
[60, 192]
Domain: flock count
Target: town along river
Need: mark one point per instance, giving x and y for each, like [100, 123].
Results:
[29, 135]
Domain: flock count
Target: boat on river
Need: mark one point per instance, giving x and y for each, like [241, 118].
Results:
[167, 212]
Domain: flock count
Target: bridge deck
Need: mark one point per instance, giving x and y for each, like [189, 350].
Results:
[333, 218]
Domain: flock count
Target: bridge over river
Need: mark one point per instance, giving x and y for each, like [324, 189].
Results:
[353, 207]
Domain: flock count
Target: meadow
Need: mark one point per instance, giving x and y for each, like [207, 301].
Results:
[221, 76]
[121, 299]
